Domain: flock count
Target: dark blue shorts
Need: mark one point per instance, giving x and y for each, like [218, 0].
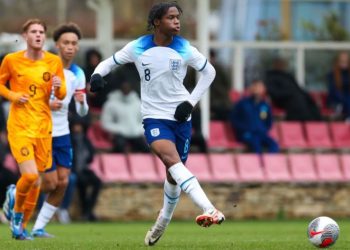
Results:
[62, 152]
[177, 132]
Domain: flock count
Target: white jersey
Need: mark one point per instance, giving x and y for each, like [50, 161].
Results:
[162, 70]
[75, 81]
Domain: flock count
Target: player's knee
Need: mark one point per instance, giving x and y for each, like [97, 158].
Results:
[49, 186]
[31, 178]
[63, 183]
[169, 159]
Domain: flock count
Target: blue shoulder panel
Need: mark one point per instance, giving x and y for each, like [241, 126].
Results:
[144, 43]
[78, 72]
[181, 46]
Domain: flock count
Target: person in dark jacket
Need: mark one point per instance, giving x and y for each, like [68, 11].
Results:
[285, 93]
[251, 119]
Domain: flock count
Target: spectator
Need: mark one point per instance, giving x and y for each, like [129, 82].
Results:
[121, 117]
[286, 93]
[251, 119]
[339, 85]
[89, 185]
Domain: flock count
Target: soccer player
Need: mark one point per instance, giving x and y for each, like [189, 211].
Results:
[161, 59]
[55, 179]
[32, 74]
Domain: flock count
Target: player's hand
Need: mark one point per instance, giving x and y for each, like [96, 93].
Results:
[19, 97]
[79, 96]
[97, 83]
[56, 82]
[55, 105]
[183, 111]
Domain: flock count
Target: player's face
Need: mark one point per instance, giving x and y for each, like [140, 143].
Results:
[170, 22]
[68, 45]
[35, 36]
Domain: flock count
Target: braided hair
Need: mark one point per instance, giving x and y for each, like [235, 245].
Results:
[158, 11]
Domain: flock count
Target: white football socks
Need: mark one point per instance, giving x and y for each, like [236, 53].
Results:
[46, 213]
[171, 197]
[190, 185]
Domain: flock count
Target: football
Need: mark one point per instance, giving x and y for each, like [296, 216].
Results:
[323, 232]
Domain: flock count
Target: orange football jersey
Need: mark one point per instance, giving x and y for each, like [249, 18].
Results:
[33, 118]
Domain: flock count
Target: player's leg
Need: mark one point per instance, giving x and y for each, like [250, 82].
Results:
[62, 155]
[23, 151]
[189, 183]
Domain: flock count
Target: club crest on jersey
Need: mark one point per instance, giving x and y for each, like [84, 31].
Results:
[155, 132]
[175, 64]
[46, 76]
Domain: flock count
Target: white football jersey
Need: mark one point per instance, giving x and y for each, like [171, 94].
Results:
[75, 80]
[162, 71]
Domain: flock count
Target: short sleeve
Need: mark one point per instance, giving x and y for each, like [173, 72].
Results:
[81, 80]
[4, 71]
[196, 59]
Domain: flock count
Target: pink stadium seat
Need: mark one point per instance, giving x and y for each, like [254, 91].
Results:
[221, 136]
[328, 167]
[276, 168]
[223, 167]
[249, 168]
[115, 168]
[274, 131]
[11, 164]
[99, 138]
[292, 135]
[317, 134]
[142, 168]
[198, 164]
[302, 167]
[340, 134]
[235, 95]
[345, 163]
[96, 167]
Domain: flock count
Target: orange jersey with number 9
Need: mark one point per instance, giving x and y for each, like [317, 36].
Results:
[34, 78]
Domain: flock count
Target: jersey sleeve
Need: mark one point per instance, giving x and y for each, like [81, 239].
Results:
[125, 55]
[196, 59]
[60, 92]
[5, 74]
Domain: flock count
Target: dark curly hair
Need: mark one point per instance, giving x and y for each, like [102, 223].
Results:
[66, 28]
[158, 11]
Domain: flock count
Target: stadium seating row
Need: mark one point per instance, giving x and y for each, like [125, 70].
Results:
[289, 135]
[228, 167]
[223, 167]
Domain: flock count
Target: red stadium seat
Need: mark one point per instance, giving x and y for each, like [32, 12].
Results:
[302, 167]
[340, 134]
[198, 164]
[235, 95]
[328, 167]
[96, 167]
[115, 168]
[142, 168]
[223, 167]
[221, 136]
[276, 168]
[99, 138]
[317, 134]
[249, 168]
[292, 135]
[345, 163]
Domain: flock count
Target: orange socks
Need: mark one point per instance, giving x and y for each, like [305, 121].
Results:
[23, 187]
[30, 204]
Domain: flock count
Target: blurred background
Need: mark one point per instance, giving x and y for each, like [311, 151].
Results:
[246, 41]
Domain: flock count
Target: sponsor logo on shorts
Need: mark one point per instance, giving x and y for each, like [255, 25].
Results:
[46, 76]
[24, 151]
[155, 132]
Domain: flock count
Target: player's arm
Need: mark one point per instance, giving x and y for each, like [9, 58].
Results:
[207, 75]
[17, 97]
[59, 82]
[125, 55]
[81, 105]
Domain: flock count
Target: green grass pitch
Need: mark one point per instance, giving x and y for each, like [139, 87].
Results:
[241, 235]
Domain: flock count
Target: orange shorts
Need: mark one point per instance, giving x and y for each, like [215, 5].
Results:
[38, 149]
